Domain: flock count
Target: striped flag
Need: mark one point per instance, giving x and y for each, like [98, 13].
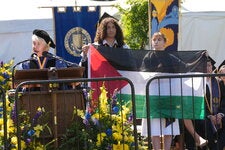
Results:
[184, 100]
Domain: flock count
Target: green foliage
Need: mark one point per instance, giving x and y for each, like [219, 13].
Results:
[107, 126]
[76, 137]
[135, 24]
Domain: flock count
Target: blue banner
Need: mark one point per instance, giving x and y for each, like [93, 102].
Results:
[74, 27]
[165, 18]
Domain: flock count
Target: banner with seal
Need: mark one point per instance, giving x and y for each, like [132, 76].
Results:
[74, 27]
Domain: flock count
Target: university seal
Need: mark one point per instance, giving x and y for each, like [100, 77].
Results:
[74, 40]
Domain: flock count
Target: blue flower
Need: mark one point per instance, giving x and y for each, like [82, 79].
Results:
[87, 115]
[115, 109]
[109, 132]
[30, 132]
[37, 115]
[5, 75]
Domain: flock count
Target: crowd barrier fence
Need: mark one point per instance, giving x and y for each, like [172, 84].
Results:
[54, 100]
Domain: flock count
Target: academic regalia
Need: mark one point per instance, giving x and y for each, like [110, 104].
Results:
[36, 62]
[45, 62]
[205, 127]
[212, 104]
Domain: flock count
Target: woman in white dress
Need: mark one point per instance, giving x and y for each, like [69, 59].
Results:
[160, 126]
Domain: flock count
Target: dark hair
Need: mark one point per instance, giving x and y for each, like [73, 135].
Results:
[101, 32]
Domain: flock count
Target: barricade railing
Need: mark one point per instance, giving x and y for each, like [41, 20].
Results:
[58, 101]
[177, 96]
[83, 83]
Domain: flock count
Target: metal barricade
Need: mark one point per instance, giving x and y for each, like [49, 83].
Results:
[59, 102]
[188, 104]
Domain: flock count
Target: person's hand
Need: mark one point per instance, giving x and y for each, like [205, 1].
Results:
[85, 49]
[219, 117]
[213, 118]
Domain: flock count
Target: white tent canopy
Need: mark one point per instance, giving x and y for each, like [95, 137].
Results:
[202, 25]
[204, 30]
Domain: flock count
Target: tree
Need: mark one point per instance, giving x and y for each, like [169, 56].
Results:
[135, 23]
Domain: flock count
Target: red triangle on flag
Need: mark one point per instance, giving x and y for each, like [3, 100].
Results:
[100, 67]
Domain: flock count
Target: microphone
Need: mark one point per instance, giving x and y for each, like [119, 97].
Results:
[47, 54]
[33, 57]
[71, 64]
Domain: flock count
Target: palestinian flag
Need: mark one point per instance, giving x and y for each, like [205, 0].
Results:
[177, 98]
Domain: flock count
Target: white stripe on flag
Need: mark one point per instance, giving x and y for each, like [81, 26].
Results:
[190, 86]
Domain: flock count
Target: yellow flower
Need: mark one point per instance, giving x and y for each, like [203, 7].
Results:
[130, 139]
[10, 126]
[117, 136]
[97, 115]
[103, 98]
[38, 130]
[80, 113]
[23, 145]
[1, 121]
[125, 138]
[40, 147]
[14, 140]
[39, 109]
[1, 79]
[1, 133]
[120, 146]
[100, 138]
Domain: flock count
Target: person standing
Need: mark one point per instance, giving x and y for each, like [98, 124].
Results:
[160, 62]
[205, 133]
[108, 34]
[220, 120]
[41, 43]
[41, 58]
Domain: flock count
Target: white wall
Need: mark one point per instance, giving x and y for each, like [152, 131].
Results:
[15, 37]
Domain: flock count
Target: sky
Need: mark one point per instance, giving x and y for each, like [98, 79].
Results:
[36, 9]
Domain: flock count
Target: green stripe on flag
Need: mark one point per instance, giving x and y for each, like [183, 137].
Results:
[185, 107]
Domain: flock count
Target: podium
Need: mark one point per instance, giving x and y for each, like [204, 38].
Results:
[44, 74]
[58, 103]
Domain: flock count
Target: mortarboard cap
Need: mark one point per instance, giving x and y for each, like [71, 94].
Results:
[44, 35]
[213, 62]
[223, 63]
[105, 15]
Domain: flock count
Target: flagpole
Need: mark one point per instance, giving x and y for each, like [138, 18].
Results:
[179, 38]
[149, 22]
